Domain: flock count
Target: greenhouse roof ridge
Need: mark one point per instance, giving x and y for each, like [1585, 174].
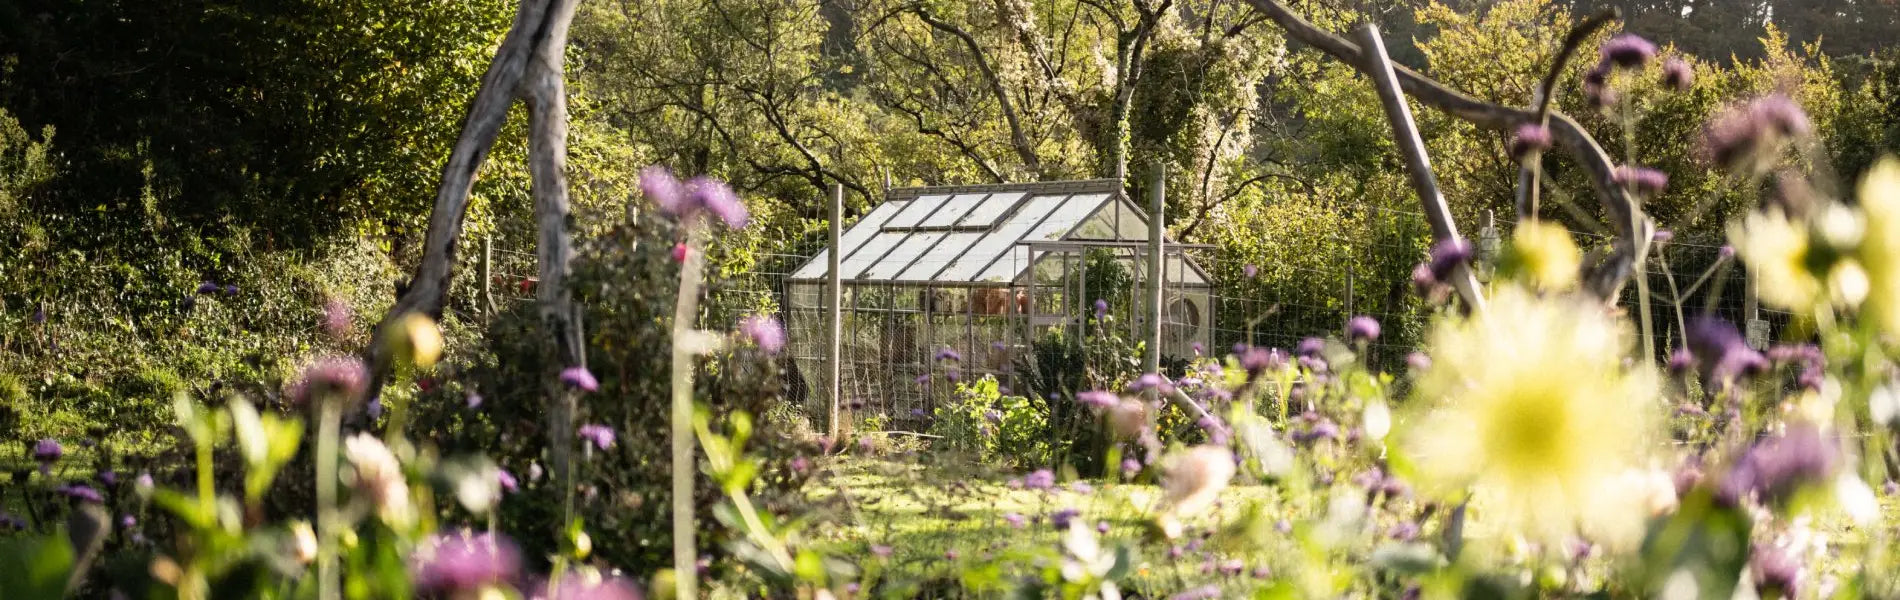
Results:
[986, 234]
[1076, 186]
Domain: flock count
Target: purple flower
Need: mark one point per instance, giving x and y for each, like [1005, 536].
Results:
[600, 435]
[1681, 361]
[1232, 567]
[1418, 361]
[800, 465]
[1530, 138]
[1777, 574]
[764, 331]
[1599, 95]
[1447, 256]
[1041, 479]
[576, 587]
[1742, 133]
[1405, 531]
[1250, 271]
[230, 289]
[109, 477]
[1677, 74]
[1628, 50]
[1362, 328]
[1311, 348]
[1130, 467]
[1662, 236]
[375, 408]
[127, 521]
[81, 492]
[663, 189]
[48, 451]
[1262, 572]
[39, 315]
[1101, 309]
[1774, 469]
[342, 377]
[881, 551]
[1061, 518]
[336, 318]
[1151, 381]
[1081, 487]
[1721, 350]
[1015, 520]
[208, 288]
[580, 378]
[1641, 180]
[947, 353]
[507, 481]
[1101, 527]
[1260, 360]
[715, 196]
[465, 562]
[474, 400]
[1205, 592]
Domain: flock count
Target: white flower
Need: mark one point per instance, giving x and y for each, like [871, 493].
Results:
[1195, 478]
[1377, 420]
[379, 479]
[1856, 498]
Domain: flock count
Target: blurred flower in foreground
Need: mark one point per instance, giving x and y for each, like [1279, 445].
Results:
[764, 331]
[465, 562]
[1192, 481]
[1543, 255]
[379, 479]
[344, 377]
[580, 378]
[1533, 409]
[1880, 242]
[415, 340]
[591, 585]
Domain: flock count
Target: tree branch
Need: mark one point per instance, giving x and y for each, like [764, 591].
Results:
[1024, 149]
[1569, 135]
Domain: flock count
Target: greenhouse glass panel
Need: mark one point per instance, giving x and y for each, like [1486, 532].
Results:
[1059, 222]
[900, 258]
[948, 250]
[915, 213]
[953, 210]
[869, 253]
[991, 210]
[851, 239]
[999, 241]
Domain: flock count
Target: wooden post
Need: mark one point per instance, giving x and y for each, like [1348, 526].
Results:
[1157, 193]
[1419, 166]
[488, 275]
[834, 313]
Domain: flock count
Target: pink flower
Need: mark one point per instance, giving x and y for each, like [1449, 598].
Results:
[764, 331]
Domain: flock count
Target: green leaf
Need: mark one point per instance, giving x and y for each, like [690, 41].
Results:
[35, 566]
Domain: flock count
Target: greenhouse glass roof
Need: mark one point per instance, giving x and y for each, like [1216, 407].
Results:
[980, 233]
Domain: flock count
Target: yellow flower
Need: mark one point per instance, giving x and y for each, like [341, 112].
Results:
[414, 339]
[1531, 408]
[1543, 256]
[1880, 246]
[1775, 250]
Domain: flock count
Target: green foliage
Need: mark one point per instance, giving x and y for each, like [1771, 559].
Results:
[982, 423]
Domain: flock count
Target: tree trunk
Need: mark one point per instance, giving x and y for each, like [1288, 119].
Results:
[545, 93]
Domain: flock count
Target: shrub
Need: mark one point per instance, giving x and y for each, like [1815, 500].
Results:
[993, 427]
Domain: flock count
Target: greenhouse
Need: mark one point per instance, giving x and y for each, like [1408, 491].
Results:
[945, 283]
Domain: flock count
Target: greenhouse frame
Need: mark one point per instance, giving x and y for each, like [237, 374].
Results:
[948, 283]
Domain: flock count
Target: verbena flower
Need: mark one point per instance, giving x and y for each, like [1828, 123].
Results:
[1721, 350]
[1062, 518]
[1642, 180]
[662, 189]
[600, 436]
[1250, 271]
[1447, 256]
[379, 479]
[1362, 328]
[947, 353]
[764, 331]
[336, 318]
[1745, 137]
[507, 481]
[1097, 398]
[1628, 50]
[47, 451]
[1041, 479]
[208, 288]
[717, 197]
[339, 377]
[465, 562]
[1311, 347]
[1776, 572]
[580, 378]
[1532, 409]
[82, 493]
[1774, 469]
[1101, 309]
[1677, 74]
[1530, 138]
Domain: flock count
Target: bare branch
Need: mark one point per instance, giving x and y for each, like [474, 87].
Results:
[1569, 135]
[1024, 149]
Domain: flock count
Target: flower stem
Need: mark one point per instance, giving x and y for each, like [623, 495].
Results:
[685, 308]
[328, 424]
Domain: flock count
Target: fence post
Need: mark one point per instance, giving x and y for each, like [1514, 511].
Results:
[1156, 217]
[488, 275]
[834, 313]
